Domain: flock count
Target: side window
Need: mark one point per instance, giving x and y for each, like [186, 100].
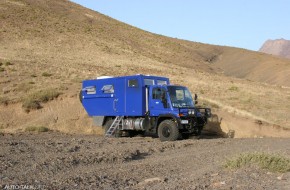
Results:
[133, 83]
[156, 93]
[108, 89]
[160, 94]
[161, 82]
[148, 81]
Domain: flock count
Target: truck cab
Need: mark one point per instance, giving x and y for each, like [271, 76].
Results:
[174, 103]
[142, 103]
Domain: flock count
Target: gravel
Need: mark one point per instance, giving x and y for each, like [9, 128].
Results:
[54, 160]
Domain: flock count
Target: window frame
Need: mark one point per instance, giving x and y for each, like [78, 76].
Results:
[136, 85]
[110, 89]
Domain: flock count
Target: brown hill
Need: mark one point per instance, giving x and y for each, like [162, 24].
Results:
[280, 47]
[49, 47]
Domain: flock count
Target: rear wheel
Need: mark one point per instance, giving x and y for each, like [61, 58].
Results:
[168, 131]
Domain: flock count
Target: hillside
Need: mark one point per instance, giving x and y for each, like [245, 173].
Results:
[49, 47]
[280, 47]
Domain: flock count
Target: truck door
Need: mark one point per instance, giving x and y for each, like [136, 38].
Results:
[158, 101]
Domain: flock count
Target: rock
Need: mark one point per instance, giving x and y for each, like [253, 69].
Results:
[151, 180]
[155, 179]
[215, 174]
[281, 177]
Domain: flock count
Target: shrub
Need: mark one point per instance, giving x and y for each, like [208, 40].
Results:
[34, 100]
[37, 129]
[4, 100]
[77, 80]
[234, 88]
[274, 163]
[2, 69]
[46, 95]
[30, 104]
[45, 74]
[8, 63]
[24, 87]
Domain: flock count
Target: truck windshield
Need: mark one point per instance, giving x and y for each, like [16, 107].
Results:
[180, 96]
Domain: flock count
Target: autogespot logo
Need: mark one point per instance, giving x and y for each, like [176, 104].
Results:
[21, 187]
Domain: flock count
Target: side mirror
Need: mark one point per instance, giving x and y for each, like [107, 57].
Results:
[195, 99]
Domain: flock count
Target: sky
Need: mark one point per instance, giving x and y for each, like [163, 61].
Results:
[237, 23]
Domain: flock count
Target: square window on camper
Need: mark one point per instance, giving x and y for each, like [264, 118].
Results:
[133, 83]
[148, 81]
[108, 89]
[161, 82]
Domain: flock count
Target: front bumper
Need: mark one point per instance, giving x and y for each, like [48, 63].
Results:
[193, 119]
[194, 112]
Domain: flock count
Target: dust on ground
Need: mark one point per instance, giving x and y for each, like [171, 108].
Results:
[60, 161]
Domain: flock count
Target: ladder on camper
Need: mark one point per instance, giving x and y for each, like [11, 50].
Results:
[114, 126]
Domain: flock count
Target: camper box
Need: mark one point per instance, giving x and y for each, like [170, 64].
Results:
[116, 96]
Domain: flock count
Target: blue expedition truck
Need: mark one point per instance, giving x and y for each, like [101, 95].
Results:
[129, 105]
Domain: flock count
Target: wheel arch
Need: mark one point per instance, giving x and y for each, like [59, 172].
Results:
[167, 117]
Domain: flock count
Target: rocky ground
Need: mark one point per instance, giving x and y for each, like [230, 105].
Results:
[59, 161]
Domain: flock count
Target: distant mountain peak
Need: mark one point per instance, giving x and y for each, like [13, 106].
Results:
[279, 47]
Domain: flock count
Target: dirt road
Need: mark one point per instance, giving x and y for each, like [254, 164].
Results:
[59, 161]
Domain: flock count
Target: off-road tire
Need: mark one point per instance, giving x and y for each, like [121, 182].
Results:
[168, 131]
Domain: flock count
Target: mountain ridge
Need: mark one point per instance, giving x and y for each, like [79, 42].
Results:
[279, 47]
[68, 25]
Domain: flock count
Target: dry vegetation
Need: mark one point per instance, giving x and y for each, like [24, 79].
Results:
[34, 100]
[273, 163]
[37, 129]
[49, 47]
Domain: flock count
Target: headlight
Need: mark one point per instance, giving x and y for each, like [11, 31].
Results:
[191, 112]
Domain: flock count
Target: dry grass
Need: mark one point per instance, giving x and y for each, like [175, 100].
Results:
[7, 63]
[234, 88]
[37, 129]
[274, 163]
[71, 48]
[34, 100]
[45, 74]
[4, 101]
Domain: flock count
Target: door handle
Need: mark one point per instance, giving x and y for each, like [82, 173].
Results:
[114, 104]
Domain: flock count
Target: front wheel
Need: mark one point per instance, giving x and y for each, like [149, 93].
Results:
[168, 131]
